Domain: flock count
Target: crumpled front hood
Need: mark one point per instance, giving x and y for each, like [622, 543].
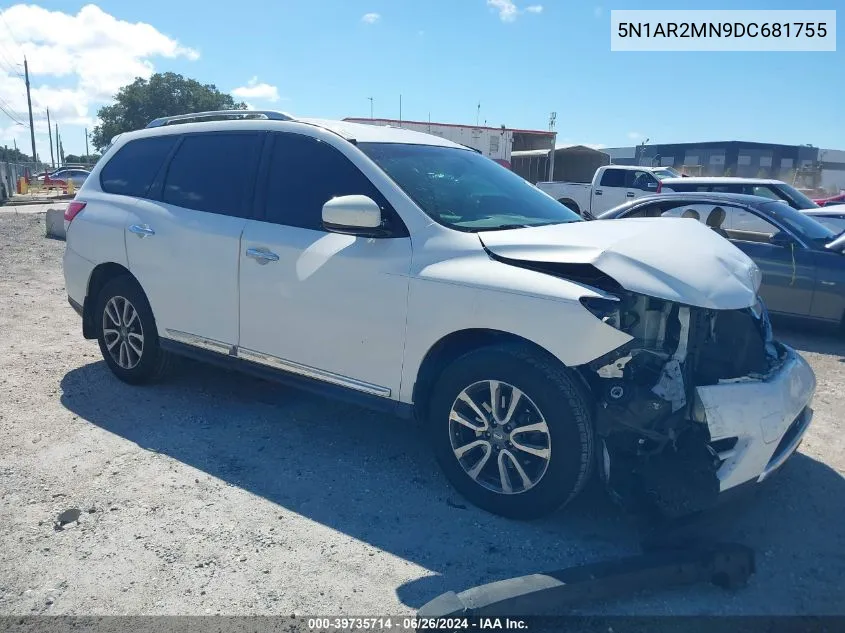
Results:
[669, 258]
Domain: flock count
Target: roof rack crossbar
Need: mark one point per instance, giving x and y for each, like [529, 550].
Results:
[271, 115]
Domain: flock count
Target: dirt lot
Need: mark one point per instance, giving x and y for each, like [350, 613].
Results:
[217, 493]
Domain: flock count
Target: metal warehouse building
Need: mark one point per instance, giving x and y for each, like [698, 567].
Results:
[804, 165]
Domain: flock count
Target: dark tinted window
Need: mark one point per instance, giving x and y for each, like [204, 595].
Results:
[613, 178]
[213, 172]
[305, 173]
[131, 171]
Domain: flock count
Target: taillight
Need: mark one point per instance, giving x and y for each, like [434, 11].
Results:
[659, 187]
[73, 210]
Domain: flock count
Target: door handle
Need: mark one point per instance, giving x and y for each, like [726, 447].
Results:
[630, 194]
[261, 256]
[828, 283]
[141, 230]
[598, 192]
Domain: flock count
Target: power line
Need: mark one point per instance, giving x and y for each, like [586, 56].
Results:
[9, 28]
[10, 112]
[8, 65]
[3, 110]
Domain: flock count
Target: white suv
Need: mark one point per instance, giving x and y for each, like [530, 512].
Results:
[409, 273]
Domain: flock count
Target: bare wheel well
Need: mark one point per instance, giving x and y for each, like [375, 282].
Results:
[453, 346]
[100, 276]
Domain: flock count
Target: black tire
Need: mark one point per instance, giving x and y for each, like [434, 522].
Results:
[153, 362]
[559, 399]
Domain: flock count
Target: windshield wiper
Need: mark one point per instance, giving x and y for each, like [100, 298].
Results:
[505, 227]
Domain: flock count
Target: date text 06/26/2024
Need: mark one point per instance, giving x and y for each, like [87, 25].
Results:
[350, 624]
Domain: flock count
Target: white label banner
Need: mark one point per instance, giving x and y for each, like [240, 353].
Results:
[710, 30]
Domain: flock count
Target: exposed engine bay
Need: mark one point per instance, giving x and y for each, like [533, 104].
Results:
[655, 442]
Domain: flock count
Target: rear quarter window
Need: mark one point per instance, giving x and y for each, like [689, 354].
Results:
[131, 171]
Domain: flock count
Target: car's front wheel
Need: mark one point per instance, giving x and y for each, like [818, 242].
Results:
[512, 431]
[126, 332]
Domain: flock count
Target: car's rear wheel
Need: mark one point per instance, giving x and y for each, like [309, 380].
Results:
[512, 431]
[126, 332]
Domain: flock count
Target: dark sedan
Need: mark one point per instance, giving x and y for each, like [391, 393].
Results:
[801, 275]
[832, 216]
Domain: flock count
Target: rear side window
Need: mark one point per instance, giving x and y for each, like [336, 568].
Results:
[640, 180]
[613, 178]
[305, 173]
[213, 172]
[131, 171]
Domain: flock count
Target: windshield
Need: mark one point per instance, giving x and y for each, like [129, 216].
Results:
[803, 225]
[796, 198]
[464, 190]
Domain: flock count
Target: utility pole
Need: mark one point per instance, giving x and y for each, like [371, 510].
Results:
[477, 114]
[86, 144]
[50, 133]
[29, 104]
[371, 110]
[58, 156]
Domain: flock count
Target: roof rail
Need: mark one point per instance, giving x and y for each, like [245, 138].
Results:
[271, 115]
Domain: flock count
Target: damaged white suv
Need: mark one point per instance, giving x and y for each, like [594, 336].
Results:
[409, 273]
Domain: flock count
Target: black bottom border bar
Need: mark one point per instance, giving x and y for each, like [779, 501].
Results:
[338, 624]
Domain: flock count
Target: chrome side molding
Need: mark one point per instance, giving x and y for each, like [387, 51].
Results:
[312, 372]
[275, 362]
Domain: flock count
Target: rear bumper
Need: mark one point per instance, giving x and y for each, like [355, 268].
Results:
[77, 271]
[767, 417]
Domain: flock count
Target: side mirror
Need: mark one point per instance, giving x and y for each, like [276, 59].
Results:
[353, 215]
[651, 185]
[781, 239]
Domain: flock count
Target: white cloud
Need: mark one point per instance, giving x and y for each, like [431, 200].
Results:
[370, 18]
[508, 11]
[255, 90]
[77, 62]
[506, 8]
[634, 136]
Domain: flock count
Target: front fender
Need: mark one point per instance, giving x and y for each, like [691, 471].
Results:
[475, 292]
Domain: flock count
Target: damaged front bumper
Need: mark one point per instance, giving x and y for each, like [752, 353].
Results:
[698, 403]
[759, 422]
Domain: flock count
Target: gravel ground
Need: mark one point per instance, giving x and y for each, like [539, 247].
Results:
[217, 493]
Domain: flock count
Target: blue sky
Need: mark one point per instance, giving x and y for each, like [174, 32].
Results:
[444, 57]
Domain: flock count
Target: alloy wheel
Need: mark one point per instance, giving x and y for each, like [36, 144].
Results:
[499, 437]
[123, 333]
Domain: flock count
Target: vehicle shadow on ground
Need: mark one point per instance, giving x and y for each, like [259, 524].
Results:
[371, 476]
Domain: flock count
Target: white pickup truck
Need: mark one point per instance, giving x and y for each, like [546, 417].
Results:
[612, 185]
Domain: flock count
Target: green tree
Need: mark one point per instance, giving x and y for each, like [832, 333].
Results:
[83, 159]
[163, 94]
[12, 155]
